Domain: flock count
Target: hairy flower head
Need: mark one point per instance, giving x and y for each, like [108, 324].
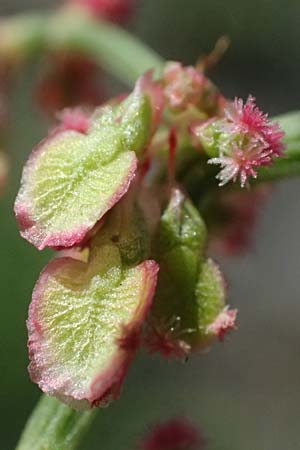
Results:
[241, 142]
[166, 338]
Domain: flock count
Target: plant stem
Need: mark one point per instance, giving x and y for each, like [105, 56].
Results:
[54, 426]
[120, 53]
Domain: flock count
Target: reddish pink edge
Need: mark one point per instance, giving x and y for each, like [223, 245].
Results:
[107, 385]
[30, 229]
[123, 188]
[147, 85]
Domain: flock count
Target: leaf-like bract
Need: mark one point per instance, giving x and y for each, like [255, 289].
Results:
[191, 291]
[69, 182]
[72, 179]
[85, 319]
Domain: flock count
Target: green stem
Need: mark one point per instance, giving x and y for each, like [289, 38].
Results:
[120, 53]
[281, 169]
[54, 426]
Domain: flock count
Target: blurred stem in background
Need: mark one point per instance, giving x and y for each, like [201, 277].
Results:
[121, 54]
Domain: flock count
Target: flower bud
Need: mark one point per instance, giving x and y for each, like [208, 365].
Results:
[191, 291]
[186, 87]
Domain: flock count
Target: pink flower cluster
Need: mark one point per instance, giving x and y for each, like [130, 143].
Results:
[250, 141]
[183, 85]
[166, 338]
[186, 87]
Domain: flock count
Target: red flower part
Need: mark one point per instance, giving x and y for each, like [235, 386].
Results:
[172, 153]
[114, 10]
[74, 119]
[177, 434]
[166, 338]
[224, 323]
[241, 161]
[248, 140]
[69, 80]
[183, 85]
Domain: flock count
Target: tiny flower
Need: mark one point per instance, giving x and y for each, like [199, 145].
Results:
[177, 434]
[69, 80]
[224, 323]
[238, 160]
[166, 337]
[241, 142]
[183, 85]
[113, 10]
[186, 87]
[248, 119]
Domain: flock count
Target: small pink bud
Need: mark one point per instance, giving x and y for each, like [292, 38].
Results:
[224, 323]
[186, 87]
[183, 85]
[177, 434]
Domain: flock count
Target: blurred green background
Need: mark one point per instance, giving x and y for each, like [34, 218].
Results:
[244, 394]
